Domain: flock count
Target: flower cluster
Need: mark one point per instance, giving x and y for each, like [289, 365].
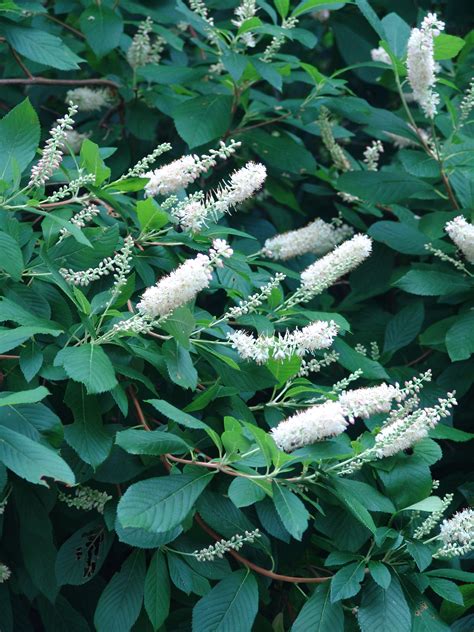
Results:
[185, 170]
[118, 263]
[336, 152]
[194, 213]
[255, 300]
[403, 431]
[278, 41]
[430, 523]
[332, 417]
[218, 549]
[457, 534]
[318, 237]
[315, 365]
[372, 155]
[317, 335]
[86, 498]
[80, 219]
[462, 233]
[184, 283]
[467, 104]
[200, 9]
[246, 10]
[142, 50]
[52, 152]
[327, 270]
[421, 65]
[89, 99]
[5, 573]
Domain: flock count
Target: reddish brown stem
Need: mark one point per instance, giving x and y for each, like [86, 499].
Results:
[21, 64]
[138, 408]
[9, 357]
[45, 81]
[424, 355]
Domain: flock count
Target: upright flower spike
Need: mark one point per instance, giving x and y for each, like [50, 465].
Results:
[318, 237]
[53, 150]
[462, 233]
[327, 270]
[365, 402]
[185, 170]
[245, 11]
[142, 50]
[372, 155]
[89, 99]
[183, 284]
[421, 65]
[194, 213]
[309, 426]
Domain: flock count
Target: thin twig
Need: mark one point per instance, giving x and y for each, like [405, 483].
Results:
[45, 81]
[138, 408]
[9, 357]
[66, 26]
[20, 63]
[424, 355]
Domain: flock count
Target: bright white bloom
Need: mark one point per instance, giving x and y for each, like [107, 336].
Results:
[52, 152]
[404, 432]
[380, 54]
[421, 65]
[142, 50]
[457, 534]
[365, 402]
[317, 335]
[245, 11]
[462, 233]
[327, 270]
[185, 170]
[401, 142]
[311, 425]
[195, 212]
[89, 99]
[183, 284]
[317, 237]
[372, 155]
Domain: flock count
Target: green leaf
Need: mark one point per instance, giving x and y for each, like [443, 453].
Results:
[202, 119]
[318, 614]
[400, 237]
[120, 603]
[31, 361]
[180, 325]
[420, 553]
[19, 138]
[12, 257]
[282, 6]
[87, 435]
[447, 46]
[447, 590]
[460, 338]
[170, 411]
[380, 574]
[231, 605]
[433, 503]
[154, 443]
[353, 360]
[397, 32]
[32, 461]
[371, 17]
[180, 365]
[11, 338]
[157, 591]
[36, 421]
[395, 481]
[89, 365]
[382, 187]
[24, 397]
[81, 556]
[244, 492]
[42, 47]
[384, 610]
[150, 215]
[404, 327]
[368, 496]
[311, 5]
[102, 28]
[281, 152]
[346, 582]
[291, 510]
[93, 162]
[433, 283]
[159, 504]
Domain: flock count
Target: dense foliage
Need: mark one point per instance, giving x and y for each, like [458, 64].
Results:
[208, 422]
